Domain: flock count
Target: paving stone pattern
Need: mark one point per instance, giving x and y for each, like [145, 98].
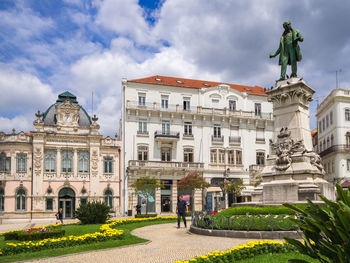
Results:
[168, 244]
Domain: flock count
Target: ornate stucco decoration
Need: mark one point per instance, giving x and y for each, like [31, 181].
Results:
[291, 95]
[67, 114]
[315, 160]
[285, 147]
[38, 156]
[94, 162]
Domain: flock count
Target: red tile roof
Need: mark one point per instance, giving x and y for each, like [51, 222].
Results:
[197, 84]
[313, 132]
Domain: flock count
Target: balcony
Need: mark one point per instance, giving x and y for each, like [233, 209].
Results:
[142, 133]
[199, 110]
[156, 165]
[216, 139]
[166, 136]
[260, 140]
[336, 149]
[235, 139]
[256, 168]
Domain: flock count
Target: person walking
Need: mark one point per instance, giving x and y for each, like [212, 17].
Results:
[59, 216]
[181, 209]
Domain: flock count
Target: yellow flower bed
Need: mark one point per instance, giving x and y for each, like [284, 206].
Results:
[247, 250]
[107, 232]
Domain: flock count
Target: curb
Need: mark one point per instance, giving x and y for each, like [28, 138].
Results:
[245, 234]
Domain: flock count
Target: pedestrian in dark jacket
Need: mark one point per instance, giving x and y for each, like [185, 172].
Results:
[59, 216]
[181, 209]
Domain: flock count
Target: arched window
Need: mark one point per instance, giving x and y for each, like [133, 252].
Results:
[21, 162]
[50, 161]
[2, 199]
[21, 199]
[67, 161]
[83, 163]
[5, 163]
[332, 140]
[108, 196]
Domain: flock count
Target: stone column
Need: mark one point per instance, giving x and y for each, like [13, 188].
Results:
[75, 163]
[158, 201]
[197, 199]
[174, 196]
[58, 162]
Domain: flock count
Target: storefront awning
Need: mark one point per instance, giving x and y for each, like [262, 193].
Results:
[214, 189]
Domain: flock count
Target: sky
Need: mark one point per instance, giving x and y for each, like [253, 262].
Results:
[87, 46]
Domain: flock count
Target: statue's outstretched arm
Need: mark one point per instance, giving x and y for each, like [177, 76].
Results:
[276, 53]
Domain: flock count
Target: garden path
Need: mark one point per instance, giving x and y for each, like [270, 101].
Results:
[168, 244]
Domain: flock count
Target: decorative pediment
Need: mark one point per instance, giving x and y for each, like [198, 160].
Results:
[67, 113]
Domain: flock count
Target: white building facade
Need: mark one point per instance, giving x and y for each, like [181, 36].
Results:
[63, 163]
[172, 127]
[333, 121]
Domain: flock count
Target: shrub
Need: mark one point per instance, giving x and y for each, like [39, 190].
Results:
[326, 229]
[93, 213]
[145, 215]
[252, 210]
[34, 234]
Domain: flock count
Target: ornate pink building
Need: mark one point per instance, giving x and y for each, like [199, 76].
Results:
[64, 162]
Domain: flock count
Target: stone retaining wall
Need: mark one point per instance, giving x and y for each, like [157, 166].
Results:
[246, 234]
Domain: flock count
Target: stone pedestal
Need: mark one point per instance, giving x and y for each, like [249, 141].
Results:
[293, 172]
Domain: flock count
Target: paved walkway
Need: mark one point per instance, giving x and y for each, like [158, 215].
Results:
[168, 244]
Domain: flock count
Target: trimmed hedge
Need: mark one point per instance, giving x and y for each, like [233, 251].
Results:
[252, 210]
[145, 215]
[23, 236]
[93, 213]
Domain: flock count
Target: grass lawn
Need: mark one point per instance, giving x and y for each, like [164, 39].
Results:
[79, 230]
[277, 258]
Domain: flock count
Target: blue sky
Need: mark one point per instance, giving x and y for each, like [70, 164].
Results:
[50, 46]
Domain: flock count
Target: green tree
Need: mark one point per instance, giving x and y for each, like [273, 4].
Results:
[146, 186]
[192, 182]
[234, 187]
[326, 229]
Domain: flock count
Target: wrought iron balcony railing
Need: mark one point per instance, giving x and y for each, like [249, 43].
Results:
[166, 134]
[235, 139]
[217, 138]
[161, 164]
[335, 149]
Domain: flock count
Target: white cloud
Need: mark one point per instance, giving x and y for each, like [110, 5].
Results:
[21, 90]
[19, 123]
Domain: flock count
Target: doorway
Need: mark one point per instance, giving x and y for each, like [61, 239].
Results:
[66, 201]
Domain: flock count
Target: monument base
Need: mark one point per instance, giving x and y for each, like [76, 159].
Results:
[294, 172]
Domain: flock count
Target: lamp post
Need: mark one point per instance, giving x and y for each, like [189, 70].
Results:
[226, 173]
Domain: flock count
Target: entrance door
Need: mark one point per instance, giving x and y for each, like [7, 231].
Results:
[166, 205]
[66, 205]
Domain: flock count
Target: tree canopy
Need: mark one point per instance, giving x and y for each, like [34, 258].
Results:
[192, 181]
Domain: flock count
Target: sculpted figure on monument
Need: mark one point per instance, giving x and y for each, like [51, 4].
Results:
[284, 148]
[289, 50]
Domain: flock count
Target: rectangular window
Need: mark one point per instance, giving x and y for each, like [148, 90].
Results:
[232, 105]
[165, 127]
[260, 134]
[142, 153]
[257, 109]
[67, 161]
[215, 103]
[108, 165]
[260, 158]
[331, 117]
[323, 124]
[49, 204]
[50, 161]
[188, 155]
[164, 102]
[213, 156]
[217, 131]
[21, 164]
[221, 156]
[142, 126]
[238, 157]
[83, 162]
[347, 114]
[5, 163]
[188, 129]
[320, 126]
[231, 157]
[327, 121]
[142, 99]
[165, 154]
[187, 103]
[348, 164]
[347, 139]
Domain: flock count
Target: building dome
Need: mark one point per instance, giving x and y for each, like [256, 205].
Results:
[49, 117]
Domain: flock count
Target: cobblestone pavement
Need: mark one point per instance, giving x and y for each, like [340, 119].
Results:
[168, 244]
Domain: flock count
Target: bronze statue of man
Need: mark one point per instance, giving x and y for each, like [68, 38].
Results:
[289, 50]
